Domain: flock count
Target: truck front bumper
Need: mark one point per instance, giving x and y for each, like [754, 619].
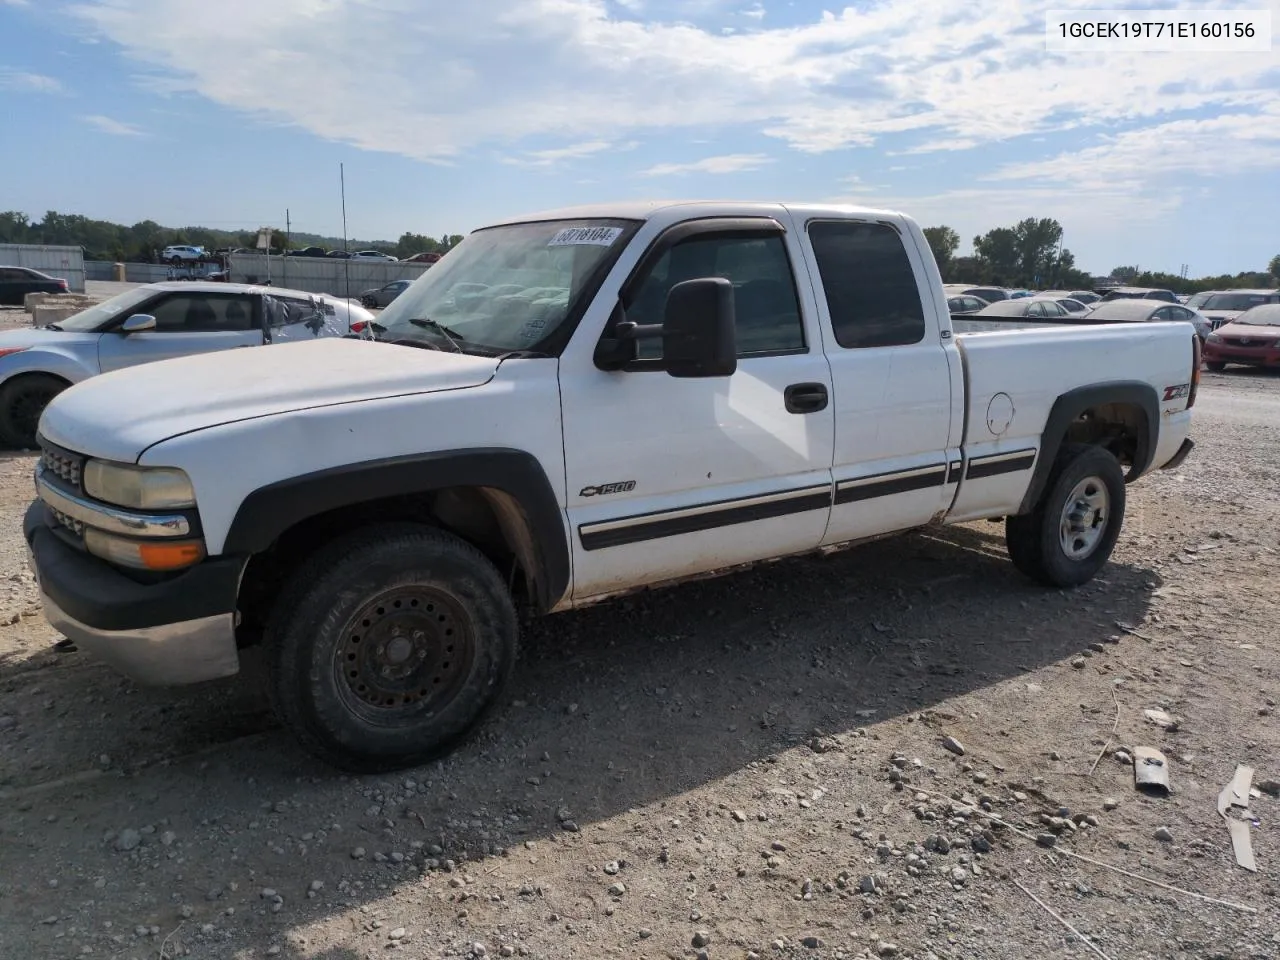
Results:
[176, 632]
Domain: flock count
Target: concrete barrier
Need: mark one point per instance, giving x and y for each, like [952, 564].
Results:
[46, 314]
[79, 301]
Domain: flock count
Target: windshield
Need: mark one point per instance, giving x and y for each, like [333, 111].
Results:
[1234, 301]
[1197, 300]
[99, 314]
[507, 288]
[1267, 315]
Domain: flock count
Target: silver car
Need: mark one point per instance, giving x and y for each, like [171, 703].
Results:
[156, 321]
[382, 296]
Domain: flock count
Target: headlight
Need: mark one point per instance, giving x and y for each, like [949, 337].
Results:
[156, 555]
[143, 488]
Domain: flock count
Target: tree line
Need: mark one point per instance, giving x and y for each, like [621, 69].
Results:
[143, 241]
[1030, 255]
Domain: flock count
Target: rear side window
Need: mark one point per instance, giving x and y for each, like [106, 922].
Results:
[869, 285]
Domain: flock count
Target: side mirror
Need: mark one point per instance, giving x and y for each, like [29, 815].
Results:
[138, 323]
[698, 334]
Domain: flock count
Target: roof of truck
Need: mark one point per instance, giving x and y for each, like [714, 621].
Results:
[645, 209]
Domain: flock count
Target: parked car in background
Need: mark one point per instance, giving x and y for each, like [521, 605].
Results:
[1251, 339]
[964, 305]
[157, 321]
[424, 258]
[1020, 294]
[371, 255]
[1147, 311]
[989, 294]
[1079, 296]
[1224, 307]
[382, 296]
[17, 282]
[1139, 293]
[1197, 300]
[1084, 296]
[1032, 308]
[182, 254]
[339, 254]
[1072, 306]
[309, 252]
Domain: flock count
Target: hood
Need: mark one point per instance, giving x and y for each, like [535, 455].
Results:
[1222, 316]
[118, 415]
[1249, 331]
[40, 337]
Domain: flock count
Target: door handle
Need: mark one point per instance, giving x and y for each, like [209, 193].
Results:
[805, 397]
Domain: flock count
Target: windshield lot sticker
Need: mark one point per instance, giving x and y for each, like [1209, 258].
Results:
[594, 236]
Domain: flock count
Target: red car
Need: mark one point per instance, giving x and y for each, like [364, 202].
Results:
[1251, 339]
[423, 258]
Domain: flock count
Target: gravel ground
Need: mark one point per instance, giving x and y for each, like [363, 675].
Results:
[751, 766]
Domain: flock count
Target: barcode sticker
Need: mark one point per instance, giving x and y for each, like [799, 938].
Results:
[593, 236]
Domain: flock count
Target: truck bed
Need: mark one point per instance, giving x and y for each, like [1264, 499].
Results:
[1016, 375]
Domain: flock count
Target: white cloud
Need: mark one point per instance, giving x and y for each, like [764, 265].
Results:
[117, 128]
[962, 73]
[22, 81]
[16, 3]
[1234, 143]
[575, 151]
[730, 163]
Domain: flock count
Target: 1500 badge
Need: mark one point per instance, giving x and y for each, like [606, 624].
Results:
[604, 489]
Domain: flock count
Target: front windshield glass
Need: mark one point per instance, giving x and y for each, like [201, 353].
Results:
[99, 314]
[1264, 316]
[1234, 301]
[506, 288]
[1197, 300]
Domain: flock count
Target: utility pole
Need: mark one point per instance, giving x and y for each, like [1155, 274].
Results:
[346, 261]
[288, 243]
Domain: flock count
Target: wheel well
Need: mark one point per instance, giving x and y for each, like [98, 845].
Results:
[1120, 428]
[489, 519]
[29, 374]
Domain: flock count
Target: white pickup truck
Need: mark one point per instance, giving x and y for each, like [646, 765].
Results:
[568, 407]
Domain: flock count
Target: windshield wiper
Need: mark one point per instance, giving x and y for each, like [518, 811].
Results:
[453, 336]
[521, 355]
[52, 326]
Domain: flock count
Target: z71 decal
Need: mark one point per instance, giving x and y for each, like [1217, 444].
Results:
[1178, 392]
[604, 489]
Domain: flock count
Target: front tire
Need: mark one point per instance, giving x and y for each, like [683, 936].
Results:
[22, 401]
[389, 645]
[1070, 534]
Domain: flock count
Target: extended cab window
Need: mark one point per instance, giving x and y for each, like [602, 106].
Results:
[203, 313]
[766, 308]
[870, 288]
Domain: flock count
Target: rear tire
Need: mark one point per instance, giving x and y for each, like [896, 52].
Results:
[1216, 367]
[1070, 534]
[22, 401]
[388, 647]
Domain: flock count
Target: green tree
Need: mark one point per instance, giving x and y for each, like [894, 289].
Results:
[944, 242]
[1274, 266]
[1123, 274]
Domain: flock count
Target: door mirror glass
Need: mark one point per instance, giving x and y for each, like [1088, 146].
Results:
[698, 336]
[138, 323]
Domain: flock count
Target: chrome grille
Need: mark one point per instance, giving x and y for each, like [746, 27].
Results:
[64, 465]
[70, 523]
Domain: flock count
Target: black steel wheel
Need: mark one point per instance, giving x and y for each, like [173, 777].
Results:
[22, 401]
[389, 645]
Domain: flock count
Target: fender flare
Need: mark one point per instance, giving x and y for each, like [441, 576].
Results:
[269, 511]
[1068, 407]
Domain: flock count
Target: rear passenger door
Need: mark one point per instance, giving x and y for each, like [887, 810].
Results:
[897, 388]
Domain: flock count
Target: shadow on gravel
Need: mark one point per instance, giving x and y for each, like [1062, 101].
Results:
[626, 704]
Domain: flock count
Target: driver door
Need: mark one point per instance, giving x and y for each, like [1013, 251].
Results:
[186, 324]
